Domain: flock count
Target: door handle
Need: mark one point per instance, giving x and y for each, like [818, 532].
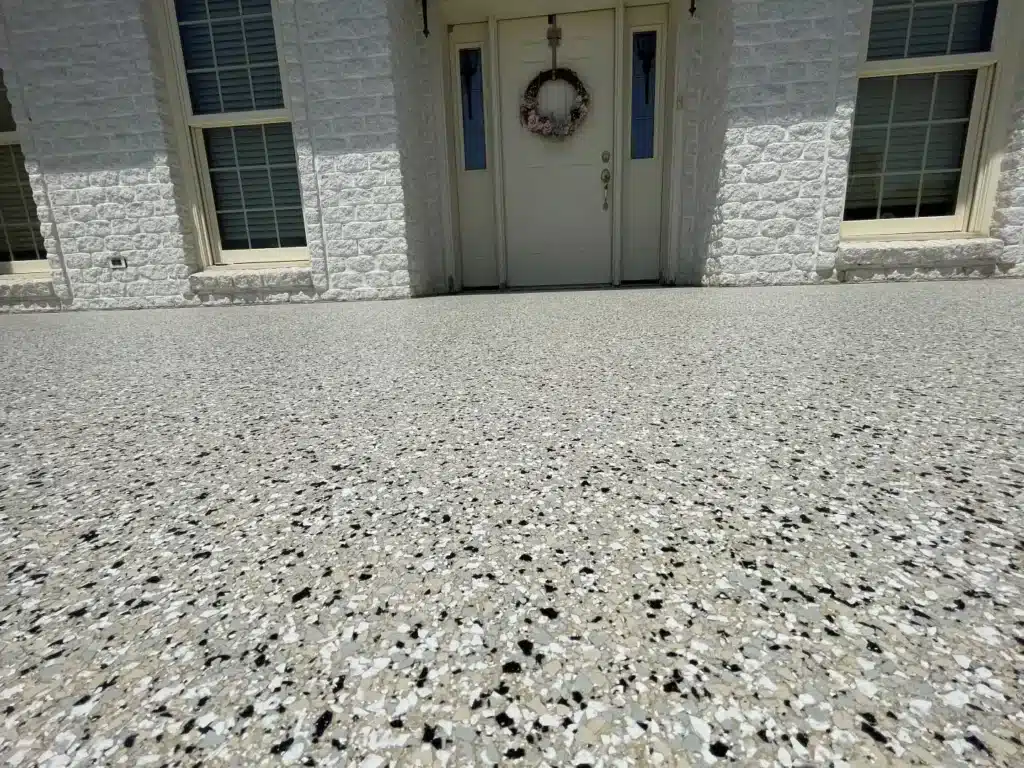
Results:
[606, 179]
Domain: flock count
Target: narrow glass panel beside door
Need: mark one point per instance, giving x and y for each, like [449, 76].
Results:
[471, 79]
[645, 55]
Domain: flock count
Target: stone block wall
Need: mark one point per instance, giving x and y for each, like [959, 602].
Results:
[98, 152]
[773, 148]
[340, 59]
[417, 63]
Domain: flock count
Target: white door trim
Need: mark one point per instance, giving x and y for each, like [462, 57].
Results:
[497, 153]
[618, 139]
[672, 193]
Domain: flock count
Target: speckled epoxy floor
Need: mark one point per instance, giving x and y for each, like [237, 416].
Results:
[664, 527]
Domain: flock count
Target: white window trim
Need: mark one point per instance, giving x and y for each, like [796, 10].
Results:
[974, 184]
[189, 129]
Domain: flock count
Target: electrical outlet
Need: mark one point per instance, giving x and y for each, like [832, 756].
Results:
[118, 262]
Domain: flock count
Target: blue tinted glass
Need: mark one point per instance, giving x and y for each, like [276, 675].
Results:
[471, 85]
[645, 55]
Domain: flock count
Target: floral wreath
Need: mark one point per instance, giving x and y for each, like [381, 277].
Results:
[548, 125]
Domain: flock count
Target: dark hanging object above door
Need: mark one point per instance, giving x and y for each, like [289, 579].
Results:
[426, 26]
[693, 7]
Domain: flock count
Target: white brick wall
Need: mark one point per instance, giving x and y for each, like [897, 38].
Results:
[98, 136]
[417, 63]
[772, 149]
[339, 56]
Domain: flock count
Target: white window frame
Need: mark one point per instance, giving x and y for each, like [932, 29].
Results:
[32, 266]
[192, 145]
[965, 219]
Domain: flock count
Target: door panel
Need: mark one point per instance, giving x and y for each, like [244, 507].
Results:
[557, 230]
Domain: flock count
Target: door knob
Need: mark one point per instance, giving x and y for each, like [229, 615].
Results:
[606, 177]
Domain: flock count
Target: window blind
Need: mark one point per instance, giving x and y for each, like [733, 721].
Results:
[909, 139]
[230, 55]
[255, 186]
[912, 28]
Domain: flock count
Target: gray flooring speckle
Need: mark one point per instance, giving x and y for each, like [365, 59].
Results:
[665, 527]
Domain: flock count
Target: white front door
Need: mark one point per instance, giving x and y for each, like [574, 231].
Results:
[558, 230]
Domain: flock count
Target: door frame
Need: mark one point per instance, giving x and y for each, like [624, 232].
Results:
[490, 12]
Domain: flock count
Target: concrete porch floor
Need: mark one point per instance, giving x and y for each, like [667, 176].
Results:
[598, 528]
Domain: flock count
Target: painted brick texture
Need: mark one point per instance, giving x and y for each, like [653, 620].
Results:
[776, 142]
[98, 145]
[338, 56]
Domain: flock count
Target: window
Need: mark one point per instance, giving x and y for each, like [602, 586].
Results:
[21, 242]
[645, 56]
[917, 126]
[474, 134]
[240, 129]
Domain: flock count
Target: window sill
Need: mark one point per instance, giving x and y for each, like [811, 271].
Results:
[930, 252]
[27, 285]
[265, 278]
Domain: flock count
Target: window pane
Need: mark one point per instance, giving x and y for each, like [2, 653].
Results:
[227, 190]
[291, 227]
[6, 118]
[20, 238]
[868, 151]
[233, 232]
[888, 36]
[929, 30]
[230, 55]
[906, 148]
[973, 27]
[474, 136]
[862, 198]
[946, 146]
[874, 100]
[255, 183]
[911, 28]
[645, 56]
[913, 99]
[909, 164]
[266, 82]
[954, 95]
[899, 196]
[939, 193]
[229, 43]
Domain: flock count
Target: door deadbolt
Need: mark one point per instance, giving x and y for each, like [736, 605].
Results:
[606, 156]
